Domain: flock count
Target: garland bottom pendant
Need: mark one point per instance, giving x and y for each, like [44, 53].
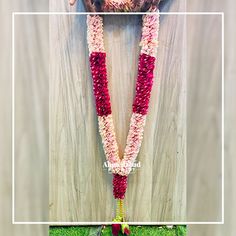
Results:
[119, 188]
[121, 167]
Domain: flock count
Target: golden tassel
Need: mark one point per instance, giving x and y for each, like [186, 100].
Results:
[121, 209]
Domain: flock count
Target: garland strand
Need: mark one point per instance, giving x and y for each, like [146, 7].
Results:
[118, 5]
[121, 167]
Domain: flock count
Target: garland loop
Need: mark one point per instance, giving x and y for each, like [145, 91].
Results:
[121, 167]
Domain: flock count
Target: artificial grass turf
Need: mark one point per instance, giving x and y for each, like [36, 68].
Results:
[135, 231]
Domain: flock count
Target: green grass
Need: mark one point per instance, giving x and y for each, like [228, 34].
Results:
[135, 231]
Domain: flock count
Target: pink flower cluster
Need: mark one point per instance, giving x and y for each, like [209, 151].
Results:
[149, 40]
[95, 33]
[134, 141]
[106, 130]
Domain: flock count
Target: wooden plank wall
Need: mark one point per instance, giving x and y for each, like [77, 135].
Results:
[80, 189]
[31, 116]
[206, 180]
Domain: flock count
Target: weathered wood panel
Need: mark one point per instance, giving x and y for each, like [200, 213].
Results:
[211, 185]
[80, 189]
[31, 148]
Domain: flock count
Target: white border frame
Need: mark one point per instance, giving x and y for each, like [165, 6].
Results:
[13, 119]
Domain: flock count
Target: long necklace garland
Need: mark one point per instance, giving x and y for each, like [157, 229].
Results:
[121, 166]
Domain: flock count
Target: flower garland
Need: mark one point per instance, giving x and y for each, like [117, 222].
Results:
[125, 5]
[118, 5]
[121, 167]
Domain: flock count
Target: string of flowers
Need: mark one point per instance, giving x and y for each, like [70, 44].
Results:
[121, 166]
[118, 5]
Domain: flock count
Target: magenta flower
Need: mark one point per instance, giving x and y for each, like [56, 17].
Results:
[116, 229]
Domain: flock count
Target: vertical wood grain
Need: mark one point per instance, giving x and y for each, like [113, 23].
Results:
[212, 185]
[31, 149]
